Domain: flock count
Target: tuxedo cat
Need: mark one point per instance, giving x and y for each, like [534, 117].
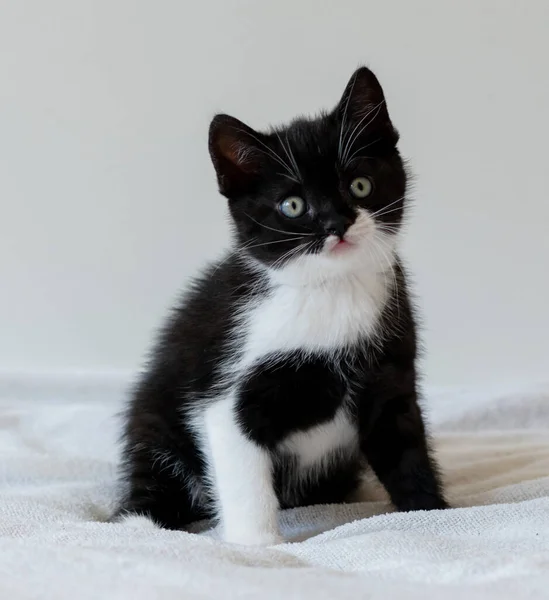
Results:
[290, 364]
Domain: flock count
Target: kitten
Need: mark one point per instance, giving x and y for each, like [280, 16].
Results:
[290, 364]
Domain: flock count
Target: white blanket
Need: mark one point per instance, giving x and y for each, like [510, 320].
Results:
[57, 486]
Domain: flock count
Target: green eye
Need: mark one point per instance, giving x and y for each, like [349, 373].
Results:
[361, 187]
[293, 207]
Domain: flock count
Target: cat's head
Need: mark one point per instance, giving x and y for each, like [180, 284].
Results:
[323, 195]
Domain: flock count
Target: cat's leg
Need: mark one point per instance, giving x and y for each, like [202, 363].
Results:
[160, 487]
[240, 472]
[395, 445]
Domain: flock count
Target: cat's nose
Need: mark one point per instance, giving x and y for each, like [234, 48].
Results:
[337, 227]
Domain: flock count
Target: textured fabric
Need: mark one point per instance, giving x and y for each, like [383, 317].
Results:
[57, 485]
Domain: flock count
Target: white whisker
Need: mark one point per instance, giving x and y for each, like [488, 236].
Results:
[289, 254]
[271, 152]
[230, 254]
[288, 233]
[344, 119]
[382, 214]
[288, 151]
[288, 177]
[379, 244]
[354, 155]
[354, 135]
[377, 212]
[292, 156]
[273, 242]
[385, 228]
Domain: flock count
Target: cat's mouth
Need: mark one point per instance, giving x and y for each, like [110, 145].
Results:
[337, 245]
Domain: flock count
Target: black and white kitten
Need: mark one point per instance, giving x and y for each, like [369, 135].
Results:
[290, 365]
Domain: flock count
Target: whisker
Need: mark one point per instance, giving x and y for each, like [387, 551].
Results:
[382, 214]
[288, 177]
[392, 269]
[292, 156]
[354, 136]
[390, 229]
[386, 259]
[389, 226]
[345, 166]
[270, 152]
[288, 233]
[377, 212]
[287, 151]
[289, 254]
[286, 256]
[344, 119]
[352, 157]
[273, 242]
[357, 135]
[230, 254]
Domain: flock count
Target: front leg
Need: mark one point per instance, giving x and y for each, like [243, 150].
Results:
[395, 445]
[241, 475]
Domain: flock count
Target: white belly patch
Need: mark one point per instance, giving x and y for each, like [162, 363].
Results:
[312, 447]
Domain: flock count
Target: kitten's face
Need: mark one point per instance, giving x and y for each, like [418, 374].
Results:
[325, 194]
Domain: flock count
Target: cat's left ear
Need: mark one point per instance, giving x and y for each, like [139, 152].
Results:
[235, 153]
[362, 109]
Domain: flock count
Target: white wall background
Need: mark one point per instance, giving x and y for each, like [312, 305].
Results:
[108, 200]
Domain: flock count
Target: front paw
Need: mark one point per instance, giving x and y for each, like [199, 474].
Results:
[252, 538]
[422, 502]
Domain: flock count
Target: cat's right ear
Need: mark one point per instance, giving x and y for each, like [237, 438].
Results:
[363, 110]
[235, 153]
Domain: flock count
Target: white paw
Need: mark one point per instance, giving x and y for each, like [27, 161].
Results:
[252, 538]
[138, 522]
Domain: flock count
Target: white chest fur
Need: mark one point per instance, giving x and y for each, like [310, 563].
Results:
[324, 317]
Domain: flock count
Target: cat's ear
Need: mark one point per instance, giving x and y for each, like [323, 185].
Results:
[362, 108]
[235, 153]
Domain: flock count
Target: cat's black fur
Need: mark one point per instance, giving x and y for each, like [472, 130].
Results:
[164, 467]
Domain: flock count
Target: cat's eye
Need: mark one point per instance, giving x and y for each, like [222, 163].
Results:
[293, 207]
[361, 187]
